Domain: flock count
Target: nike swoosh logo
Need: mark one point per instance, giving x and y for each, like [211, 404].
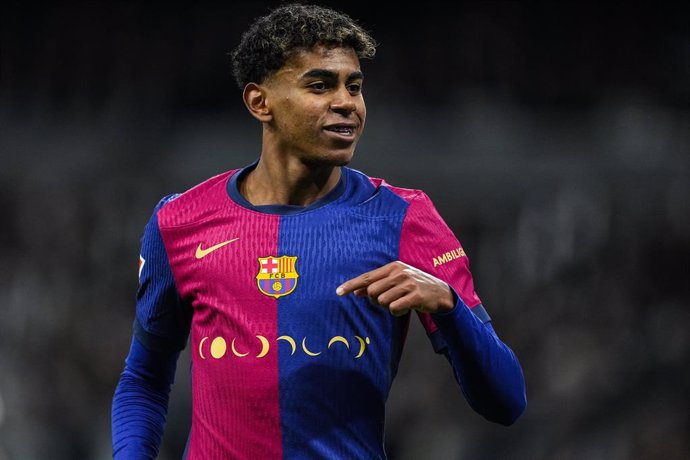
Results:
[201, 253]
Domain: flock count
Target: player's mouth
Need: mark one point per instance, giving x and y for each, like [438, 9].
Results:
[342, 130]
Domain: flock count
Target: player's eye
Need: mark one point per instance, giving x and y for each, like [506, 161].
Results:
[318, 86]
[354, 88]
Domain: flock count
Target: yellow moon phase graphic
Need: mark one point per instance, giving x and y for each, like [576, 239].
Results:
[289, 340]
[362, 345]
[218, 347]
[234, 350]
[304, 347]
[338, 338]
[264, 346]
[201, 344]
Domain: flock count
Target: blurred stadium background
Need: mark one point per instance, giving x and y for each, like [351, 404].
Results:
[554, 138]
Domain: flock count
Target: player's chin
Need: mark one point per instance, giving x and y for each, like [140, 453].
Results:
[340, 157]
[342, 160]
[342, 154]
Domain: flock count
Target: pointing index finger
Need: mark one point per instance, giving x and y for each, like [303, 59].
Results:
[363, 280]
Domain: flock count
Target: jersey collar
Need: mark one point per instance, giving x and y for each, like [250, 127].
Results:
[283, 209]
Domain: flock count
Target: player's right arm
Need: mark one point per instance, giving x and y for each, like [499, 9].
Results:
[161, 328]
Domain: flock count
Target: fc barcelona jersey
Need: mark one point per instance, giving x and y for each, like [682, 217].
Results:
[283, 367]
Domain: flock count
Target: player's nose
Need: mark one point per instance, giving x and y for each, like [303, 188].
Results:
[343, 102]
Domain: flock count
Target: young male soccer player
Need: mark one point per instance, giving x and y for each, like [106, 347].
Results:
[296, 276]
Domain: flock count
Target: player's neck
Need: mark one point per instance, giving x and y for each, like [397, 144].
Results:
[288, 183]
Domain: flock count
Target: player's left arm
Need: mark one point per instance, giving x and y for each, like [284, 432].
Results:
[486, 369]
[440, 289]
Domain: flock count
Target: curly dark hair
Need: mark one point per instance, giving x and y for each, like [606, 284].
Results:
[269, 41]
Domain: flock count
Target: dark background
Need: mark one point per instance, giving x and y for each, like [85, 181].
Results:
[554, 138]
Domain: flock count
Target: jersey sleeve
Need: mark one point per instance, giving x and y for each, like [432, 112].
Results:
[428, 244]
[162, 318]
[486, 369]
[161, 328]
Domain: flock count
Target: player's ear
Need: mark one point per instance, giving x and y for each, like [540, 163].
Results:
[254, 96]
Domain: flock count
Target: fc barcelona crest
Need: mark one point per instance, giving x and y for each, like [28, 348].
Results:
[277, 275]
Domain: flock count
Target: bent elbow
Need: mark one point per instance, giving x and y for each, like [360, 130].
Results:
[507, 413]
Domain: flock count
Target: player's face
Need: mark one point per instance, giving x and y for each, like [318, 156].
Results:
[317, 107]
